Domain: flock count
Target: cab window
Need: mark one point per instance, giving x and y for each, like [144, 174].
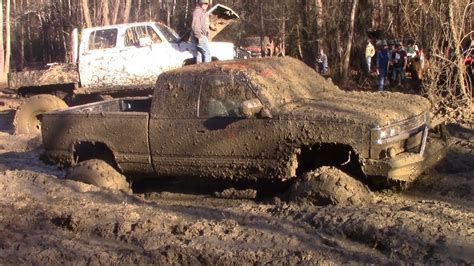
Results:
[103, 39]
[134, 34]
[177, 98]
[222, 96]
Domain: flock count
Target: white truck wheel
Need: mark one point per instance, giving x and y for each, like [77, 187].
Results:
[26, 118]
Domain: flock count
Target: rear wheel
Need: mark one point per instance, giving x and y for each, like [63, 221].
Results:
[26, 118]
[99, 173]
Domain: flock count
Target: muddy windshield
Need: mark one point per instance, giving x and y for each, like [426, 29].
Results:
[287, 80]
[169, 34]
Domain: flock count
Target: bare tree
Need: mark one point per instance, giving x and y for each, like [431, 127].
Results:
[87, 15]
[2, 55]
[105, 12]
[116, 7]
[126, 13]
[6, 67]
[319, 23]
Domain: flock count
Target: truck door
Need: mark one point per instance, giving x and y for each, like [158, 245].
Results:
[98, 58]
[143, 57]
[211, 133]
[231, 139]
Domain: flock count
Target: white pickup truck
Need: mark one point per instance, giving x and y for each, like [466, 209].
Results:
[122, 59]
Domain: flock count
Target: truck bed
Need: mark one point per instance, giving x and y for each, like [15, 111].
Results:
[119, 125]
[132, 104]
[55, 74]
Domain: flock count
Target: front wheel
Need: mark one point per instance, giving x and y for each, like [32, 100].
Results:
[99, 173]
[26, 118]
[329, 185]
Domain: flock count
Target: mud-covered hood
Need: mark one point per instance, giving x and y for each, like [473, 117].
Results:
[368, 108]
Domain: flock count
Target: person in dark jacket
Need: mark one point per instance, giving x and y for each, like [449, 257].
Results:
[200, 31]
[382, 64]
[400, 60]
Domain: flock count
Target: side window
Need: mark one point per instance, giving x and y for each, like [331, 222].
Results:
[176, 97]
[103, 39]
[134, 34]
[222, 96]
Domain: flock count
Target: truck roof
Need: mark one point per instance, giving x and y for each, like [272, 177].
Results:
[287, 85]
[125, 25]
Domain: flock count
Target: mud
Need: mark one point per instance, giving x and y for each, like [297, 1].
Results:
[46, 219]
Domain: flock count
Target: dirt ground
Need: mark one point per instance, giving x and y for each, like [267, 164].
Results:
[46, 219]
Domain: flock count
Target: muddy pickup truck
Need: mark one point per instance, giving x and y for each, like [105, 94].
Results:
[257, 119]
[122, 60]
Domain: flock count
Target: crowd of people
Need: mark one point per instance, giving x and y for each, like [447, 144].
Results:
[392, 61]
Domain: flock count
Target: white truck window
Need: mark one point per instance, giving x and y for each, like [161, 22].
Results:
[134, 34]
[103, 39]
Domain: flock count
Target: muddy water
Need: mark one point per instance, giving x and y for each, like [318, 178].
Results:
[45, 219]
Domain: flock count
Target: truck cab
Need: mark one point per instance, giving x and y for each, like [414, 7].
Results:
[134, 54]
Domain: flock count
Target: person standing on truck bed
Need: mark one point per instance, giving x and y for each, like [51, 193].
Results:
[200, 32]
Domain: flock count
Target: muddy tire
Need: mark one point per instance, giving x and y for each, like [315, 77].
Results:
[26, 118]
[99, 173]
[329, 185]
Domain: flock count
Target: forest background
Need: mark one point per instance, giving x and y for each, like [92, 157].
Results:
[36, 32]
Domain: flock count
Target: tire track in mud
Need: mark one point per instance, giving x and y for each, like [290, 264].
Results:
[167, 231]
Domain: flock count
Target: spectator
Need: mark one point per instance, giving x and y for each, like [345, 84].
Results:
[322, 65]
[399, 59]
[382, 61]
[200, 32]
[412, 50]
[369, 53]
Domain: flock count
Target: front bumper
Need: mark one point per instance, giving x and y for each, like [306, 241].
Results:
[408, 166]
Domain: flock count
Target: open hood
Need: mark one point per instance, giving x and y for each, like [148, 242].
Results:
[219, 17]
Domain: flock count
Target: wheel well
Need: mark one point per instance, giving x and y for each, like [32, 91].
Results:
[84, 151]
[340, 156]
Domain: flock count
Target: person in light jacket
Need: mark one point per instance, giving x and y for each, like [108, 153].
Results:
[200, 32]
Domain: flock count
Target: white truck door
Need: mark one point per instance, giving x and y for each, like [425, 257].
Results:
[98, 58]
[144, 55]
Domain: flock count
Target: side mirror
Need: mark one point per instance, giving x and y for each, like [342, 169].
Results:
[251, 107]
[144, 41]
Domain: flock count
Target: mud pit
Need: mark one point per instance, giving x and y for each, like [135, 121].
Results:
[45, 219]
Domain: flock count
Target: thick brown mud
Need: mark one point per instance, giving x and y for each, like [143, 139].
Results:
[46, 219]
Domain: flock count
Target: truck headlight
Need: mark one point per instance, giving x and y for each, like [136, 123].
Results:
[400, 130]
[382, 134]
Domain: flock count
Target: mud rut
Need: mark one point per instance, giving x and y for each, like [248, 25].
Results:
[45, 219]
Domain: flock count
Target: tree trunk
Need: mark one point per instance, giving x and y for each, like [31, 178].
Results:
[6, 69]
[456, 40]
[116, 10]
[319, 24]
[2, 55]
[87, 14]
[186, 11]
[126, 13]
[347, 52]
[22, 38]
[105, 13]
